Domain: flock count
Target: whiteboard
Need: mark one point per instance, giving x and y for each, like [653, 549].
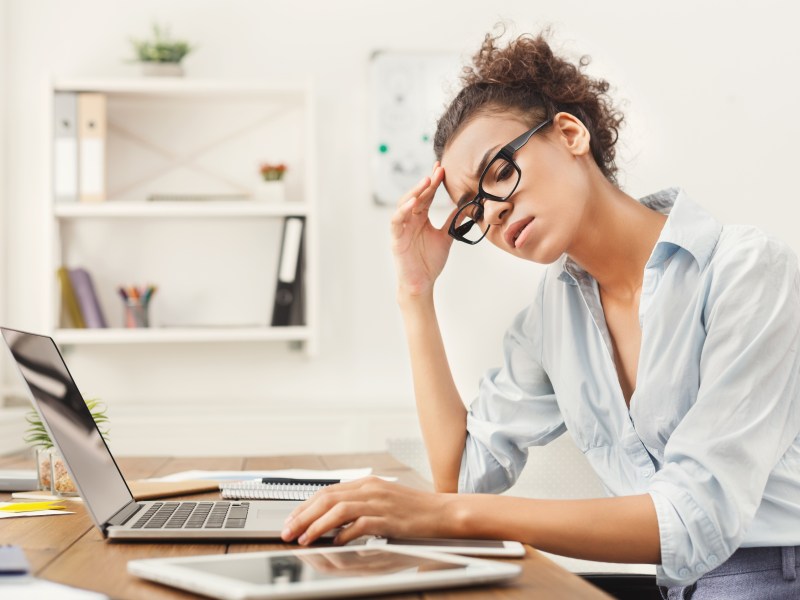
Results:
[409, 92]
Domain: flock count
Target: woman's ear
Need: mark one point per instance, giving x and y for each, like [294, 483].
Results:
[573, 133]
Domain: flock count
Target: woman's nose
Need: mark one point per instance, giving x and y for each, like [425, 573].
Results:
[495, 212]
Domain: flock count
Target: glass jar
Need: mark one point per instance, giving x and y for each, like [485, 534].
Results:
[62, 483]
[44, 471]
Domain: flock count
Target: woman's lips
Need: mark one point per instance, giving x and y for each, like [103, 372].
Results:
[516, 234]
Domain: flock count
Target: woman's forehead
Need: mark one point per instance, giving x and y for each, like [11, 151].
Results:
[463, 154]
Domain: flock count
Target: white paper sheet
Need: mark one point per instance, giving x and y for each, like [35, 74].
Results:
[343, 474]
[25, 587]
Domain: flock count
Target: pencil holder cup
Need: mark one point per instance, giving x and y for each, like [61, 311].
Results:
[136, 314]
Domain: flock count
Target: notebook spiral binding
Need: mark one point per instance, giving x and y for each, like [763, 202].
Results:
[255, 490]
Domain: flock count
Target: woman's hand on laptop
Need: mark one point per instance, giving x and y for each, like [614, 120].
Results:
[372, 506]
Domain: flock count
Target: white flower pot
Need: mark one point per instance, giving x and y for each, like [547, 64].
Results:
[161, 69]
[270, 191]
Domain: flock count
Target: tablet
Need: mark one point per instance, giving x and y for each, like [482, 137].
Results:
[454, 546]
[344, 571]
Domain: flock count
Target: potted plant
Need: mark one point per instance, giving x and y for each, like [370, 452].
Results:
[272, 172]
[271, 181]
[161, 55]
[50, 467]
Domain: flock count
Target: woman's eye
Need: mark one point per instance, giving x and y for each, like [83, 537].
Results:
[504, 172]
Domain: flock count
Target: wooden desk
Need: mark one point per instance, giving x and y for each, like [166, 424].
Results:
[69, 549]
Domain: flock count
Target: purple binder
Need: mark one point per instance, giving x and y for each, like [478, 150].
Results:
[87, 298]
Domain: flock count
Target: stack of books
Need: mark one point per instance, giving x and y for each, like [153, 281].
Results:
[80, 305]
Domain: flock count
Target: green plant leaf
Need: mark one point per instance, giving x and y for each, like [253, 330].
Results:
[36, 434]
[161, 48]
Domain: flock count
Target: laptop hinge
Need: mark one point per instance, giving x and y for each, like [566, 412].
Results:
[125, 513]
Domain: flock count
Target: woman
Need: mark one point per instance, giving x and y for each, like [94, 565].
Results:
[666, 343]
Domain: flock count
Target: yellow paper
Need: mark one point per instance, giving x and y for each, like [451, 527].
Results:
[32, 506]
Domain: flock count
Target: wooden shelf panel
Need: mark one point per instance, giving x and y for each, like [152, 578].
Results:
[211, 208]
[160, 335]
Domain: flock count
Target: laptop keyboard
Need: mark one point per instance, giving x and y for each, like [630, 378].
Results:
[194, 515]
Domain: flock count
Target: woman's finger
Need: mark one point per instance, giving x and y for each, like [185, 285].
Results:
[340, 514]
[400, 217]
[415, 191]
[426, 197]
[360, 526]
[320, 502]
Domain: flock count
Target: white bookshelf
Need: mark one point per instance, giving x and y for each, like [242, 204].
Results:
[156, 335]
[214, 261]
[186, 209]
[186, 87]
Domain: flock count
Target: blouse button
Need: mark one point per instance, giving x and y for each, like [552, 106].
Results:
[713, 559]
[683, 572]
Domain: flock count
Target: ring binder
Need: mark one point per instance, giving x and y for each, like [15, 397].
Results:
[288, 305]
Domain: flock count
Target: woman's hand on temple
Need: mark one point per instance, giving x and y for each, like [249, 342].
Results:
[420, 249]
[371, 506]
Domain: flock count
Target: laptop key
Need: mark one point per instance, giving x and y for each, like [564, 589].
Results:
[235, 523]
[237, 512]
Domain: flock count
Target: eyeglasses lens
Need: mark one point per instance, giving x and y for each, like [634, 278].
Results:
[500, 179]
[470, 224]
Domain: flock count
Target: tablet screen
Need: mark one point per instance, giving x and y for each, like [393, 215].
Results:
[318, 566]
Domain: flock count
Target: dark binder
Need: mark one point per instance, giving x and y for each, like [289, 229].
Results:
[288, 307]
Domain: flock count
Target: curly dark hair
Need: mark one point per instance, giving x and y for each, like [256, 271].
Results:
[526, 77]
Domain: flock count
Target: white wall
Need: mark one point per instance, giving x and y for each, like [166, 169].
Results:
[11, 419]
[709, 92]
[3, 140]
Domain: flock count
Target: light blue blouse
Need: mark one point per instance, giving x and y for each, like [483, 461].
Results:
[712, 431]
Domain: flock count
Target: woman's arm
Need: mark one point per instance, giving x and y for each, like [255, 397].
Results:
[442, 416]
[420, 253]
[623, 529]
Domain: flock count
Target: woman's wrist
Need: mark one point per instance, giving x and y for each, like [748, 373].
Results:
[451, 516]
[413, 300]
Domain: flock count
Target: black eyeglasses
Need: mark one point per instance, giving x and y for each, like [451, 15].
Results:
[498, 182]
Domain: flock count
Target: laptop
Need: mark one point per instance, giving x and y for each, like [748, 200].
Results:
[96, 474]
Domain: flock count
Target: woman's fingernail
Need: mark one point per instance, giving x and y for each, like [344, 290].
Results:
[302, 539]
[286, 534]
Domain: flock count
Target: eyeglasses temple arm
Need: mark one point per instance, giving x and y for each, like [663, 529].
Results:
[518, 143]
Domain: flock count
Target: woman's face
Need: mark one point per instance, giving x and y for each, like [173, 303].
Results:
[539, 222]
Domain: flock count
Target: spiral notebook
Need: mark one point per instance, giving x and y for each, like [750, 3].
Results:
[274, 488]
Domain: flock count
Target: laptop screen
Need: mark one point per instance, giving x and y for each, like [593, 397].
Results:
[70, 423]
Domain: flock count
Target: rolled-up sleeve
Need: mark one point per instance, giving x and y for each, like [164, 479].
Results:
[515, 409]
[746, 416]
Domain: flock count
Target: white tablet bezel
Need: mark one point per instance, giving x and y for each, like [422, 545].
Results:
[168, 571]
[508, 550]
